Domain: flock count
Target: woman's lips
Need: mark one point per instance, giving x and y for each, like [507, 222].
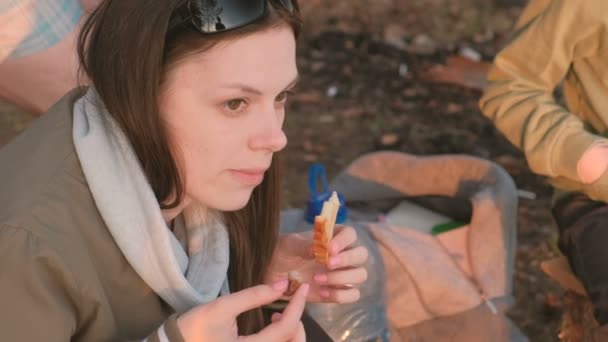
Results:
[249, 177]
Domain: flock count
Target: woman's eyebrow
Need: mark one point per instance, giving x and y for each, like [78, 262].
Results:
[243, 87]
[249, 89]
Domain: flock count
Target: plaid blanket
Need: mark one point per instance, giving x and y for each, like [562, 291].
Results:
[415, 288]
[30, 26]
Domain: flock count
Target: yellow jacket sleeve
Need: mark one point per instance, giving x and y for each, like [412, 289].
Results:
[519, 97]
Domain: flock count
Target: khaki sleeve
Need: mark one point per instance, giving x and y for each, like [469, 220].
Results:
[169, 331]
[36, 290]
[519, 97]
[39, 294]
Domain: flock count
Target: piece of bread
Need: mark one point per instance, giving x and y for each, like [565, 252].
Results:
[324, 228]
[295, 280]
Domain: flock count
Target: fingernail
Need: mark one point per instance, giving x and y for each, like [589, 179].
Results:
[334, 261]
[320, 278]
[276, 316]
[280, 285]
[324, 293]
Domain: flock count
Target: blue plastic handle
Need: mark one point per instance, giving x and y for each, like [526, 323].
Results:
[316, 173]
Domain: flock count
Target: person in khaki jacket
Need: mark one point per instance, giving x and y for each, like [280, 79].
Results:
[146, 207]
[562, 41]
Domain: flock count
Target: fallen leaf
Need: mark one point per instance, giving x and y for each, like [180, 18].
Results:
[353, 112]
[308, 97]
[460, 71]
[389, 139]
[410, 92]
[327, 118]
[316, 66]
[453, 108]
[393, 35]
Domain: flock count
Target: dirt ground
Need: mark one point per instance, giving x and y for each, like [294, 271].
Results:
[363, 90]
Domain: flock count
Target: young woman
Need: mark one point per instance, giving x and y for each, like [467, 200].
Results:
[147, 205]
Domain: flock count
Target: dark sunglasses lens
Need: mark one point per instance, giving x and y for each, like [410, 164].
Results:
[288, 4]
[219, 15]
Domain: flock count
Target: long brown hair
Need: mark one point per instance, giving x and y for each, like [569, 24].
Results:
[126, 49]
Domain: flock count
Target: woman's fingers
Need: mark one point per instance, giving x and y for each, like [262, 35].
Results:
[343, 277]
[254, 297]
[276, 317]
[349, 258]
[343, 295]
[300, 334]
[251, 298]
[287, 326]
[344, 237]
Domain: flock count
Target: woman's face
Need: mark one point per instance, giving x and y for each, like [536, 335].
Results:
[224, 111]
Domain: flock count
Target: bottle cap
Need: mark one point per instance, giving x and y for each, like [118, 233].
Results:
[317, 173]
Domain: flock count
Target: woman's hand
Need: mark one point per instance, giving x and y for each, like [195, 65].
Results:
[216, 320]
[334, 283]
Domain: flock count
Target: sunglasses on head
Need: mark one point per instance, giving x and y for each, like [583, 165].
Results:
[212, 16]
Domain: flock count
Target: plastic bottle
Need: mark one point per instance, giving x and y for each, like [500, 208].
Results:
[364, 320]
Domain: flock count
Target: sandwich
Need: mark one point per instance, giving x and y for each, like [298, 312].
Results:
[324, 228]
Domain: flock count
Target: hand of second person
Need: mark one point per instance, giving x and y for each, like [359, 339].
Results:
[335, 283]
[593, 164]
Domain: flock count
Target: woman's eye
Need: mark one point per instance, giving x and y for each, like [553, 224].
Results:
[235, 105]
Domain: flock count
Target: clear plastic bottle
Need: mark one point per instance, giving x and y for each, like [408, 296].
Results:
[366, 319]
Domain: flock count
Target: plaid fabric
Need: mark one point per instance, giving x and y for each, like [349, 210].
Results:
[52, 21]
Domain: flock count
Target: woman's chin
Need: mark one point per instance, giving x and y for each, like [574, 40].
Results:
[233, 203]
[224, 200]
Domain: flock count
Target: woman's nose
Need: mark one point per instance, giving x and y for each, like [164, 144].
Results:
[270, 136]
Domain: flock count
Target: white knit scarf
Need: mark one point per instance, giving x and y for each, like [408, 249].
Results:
[183, 274]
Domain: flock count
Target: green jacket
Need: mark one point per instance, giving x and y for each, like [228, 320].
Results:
[557, 40]
[62, 276]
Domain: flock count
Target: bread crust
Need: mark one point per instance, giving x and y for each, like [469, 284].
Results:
[324, 229]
